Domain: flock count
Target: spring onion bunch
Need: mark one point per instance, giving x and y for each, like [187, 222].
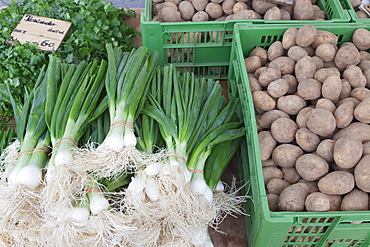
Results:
[171, 199]
[23, 162]
[126, 84]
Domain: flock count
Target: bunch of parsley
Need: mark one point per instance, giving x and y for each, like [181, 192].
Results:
[94, 23]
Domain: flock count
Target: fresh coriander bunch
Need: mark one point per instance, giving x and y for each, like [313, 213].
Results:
[94, 23]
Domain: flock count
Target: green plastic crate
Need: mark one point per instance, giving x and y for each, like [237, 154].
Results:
[209, 54]
[286, 229]
[346, 4]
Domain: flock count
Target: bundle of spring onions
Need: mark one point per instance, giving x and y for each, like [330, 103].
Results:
[23, 162]
[170, 201]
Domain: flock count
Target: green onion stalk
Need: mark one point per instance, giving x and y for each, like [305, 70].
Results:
[172, 197]
[126, 83]
[23, 162]
[74, 99]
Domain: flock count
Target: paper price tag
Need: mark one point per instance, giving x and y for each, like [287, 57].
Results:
[47, 33]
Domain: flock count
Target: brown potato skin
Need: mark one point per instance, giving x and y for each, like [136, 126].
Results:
[344, 114]
[304, 69]
[288, 39]
[353, 74]
[323, 73]
[346, 55]
[347, 151]
[284, 63]
[306, 139]
[263, 101]
[356, 129]
[270, 172]
[268, 75]
[290, 174]
[311, 167]
[261, 53]
[278, 88]
[285, 155]
[302, 116]
[292, 198]
[331, 88]
[275, 50]
[362, 111]
[252, 63]
[283, 130]
[306, 35]
[324, 37]
[291, 104]
[326, 52]
[309, 89]
[337, 183]
[276, 185]
[361, 38]
[321, 122]
[267, 144]
[269, 117]
[356, 200]
[317, 202]
[362, 173]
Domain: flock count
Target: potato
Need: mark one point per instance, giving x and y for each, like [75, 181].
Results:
[347, 151]
[254, 84]
[326, 104]
[309, 89]
[324, 37]
[331, 88]
[276, 185]
[362, 14]
[243, 15]
[267, 144]
[344, 114]
[356, 200]
[269, 117]
[285, 64]
[336, 183]
[273, 201]
[272, 14]
[362, 174]
[366, 148]
[285, 155]
[278, 88]
[288, 39]
[318, 14]
[321, 122]
[362, 111]
[346, 89]
[168, 14]
[311, 167]
[186, 10]
[285, 15]
[361, 38]
[261, 53]
[302, 116]
[270, 172]
[303, 10]
[177, 2]
[291, 104]
[283, 130]
[227, 6]
[305, 68]
[290, 174]
[252, 63]
[263, 101]
[262, 7]
[335, 201]
[353, 74]
[326, 52]
[199, 5]
[306, 139]
[325, 149]
[312, 185]
[310, 51]
[306, 35]
[239, 6]
[296, 52]
[268, 162]
[293, 197]
[275, 50]
[200, 16]
[355, 129]
[366, 73]
[346, 55]
[319, 62]
[317, 202]
[214, 10]
[268, 75]
[292, 82]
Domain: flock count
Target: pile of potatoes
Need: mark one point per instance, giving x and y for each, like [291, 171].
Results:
[312, 103]
[224, 10]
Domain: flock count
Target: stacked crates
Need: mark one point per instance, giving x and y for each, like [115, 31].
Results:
[217, 50]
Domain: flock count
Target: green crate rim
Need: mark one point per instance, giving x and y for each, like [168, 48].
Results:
[253, 172]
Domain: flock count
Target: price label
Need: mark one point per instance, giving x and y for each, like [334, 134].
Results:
[46, 33]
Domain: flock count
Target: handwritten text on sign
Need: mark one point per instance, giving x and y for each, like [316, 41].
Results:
[47, 33]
